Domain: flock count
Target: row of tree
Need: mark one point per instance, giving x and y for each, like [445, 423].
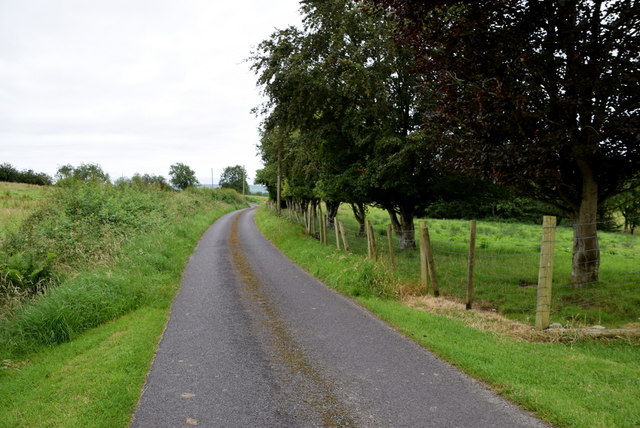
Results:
[182, 176]
[401, 103]
[10, 174]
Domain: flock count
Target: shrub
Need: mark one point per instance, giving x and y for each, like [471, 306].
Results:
[81, 224]
[27, 271]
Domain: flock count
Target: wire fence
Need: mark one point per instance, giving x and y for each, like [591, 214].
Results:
[506, 268]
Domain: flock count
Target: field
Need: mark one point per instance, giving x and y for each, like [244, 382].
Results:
[17, 202]
[506, 269]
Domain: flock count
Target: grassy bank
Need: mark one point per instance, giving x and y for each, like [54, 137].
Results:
[581, 384]
[78, 354]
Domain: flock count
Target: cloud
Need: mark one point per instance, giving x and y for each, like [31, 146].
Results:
[133, 85]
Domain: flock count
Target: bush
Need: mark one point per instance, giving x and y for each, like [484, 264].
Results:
[515, 209]
[27, 271]
[91, 223]
[82, 224]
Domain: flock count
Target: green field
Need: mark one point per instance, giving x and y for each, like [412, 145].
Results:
[17, 202]
[506, 269]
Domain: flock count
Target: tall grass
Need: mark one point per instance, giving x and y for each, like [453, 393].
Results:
[117, 249]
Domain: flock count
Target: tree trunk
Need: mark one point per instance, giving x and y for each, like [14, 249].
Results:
[332, 212]
[404, 227]
[360, 213]
[586, 251]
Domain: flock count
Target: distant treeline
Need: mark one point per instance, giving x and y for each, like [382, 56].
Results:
[12, 175]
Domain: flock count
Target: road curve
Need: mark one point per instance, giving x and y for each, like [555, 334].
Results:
[253, 341]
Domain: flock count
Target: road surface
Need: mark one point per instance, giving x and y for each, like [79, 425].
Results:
[253, 341]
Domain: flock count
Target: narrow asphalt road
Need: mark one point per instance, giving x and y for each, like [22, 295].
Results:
[253, 341]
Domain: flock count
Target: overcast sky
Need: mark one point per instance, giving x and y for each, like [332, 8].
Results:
[133, 85]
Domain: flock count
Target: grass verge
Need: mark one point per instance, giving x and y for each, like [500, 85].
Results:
[582, 384]
[62, 366]
[93, 381]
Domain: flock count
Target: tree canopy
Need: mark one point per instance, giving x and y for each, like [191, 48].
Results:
[542, 95]
[390, 102]
[85, 172]
[182, 176]
[10, 174]
[341, 106]
[234, 177]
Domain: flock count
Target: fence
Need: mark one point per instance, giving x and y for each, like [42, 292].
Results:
[518, 270]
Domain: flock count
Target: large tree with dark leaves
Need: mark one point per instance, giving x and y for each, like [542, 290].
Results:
[541, 95]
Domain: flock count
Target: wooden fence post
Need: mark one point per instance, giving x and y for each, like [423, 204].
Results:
[324, 220]
[314, 221]
[423, 257]
[336, 226]
[369, 246]
[545, 274]
[345, 243]
[431, 265]
[471, 263]
[392, 261]
[372, 241]
[320, 231]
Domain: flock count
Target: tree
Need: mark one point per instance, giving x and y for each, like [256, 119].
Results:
[144, 180]
[10, 174]
[88, 172]
[628, 204]
[267, 177]
[345, 90]
[234, 177]
[540, 95]
[151, 180]
[182, 176]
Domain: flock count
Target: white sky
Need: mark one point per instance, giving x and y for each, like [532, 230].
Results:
[133, 85]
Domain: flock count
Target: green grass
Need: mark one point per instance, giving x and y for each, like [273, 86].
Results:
[78, 355]
[144, 272]
[506, 269]
[584, 384]
[256, 199]
[17, 202]
[93, 381]
[588, 384]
